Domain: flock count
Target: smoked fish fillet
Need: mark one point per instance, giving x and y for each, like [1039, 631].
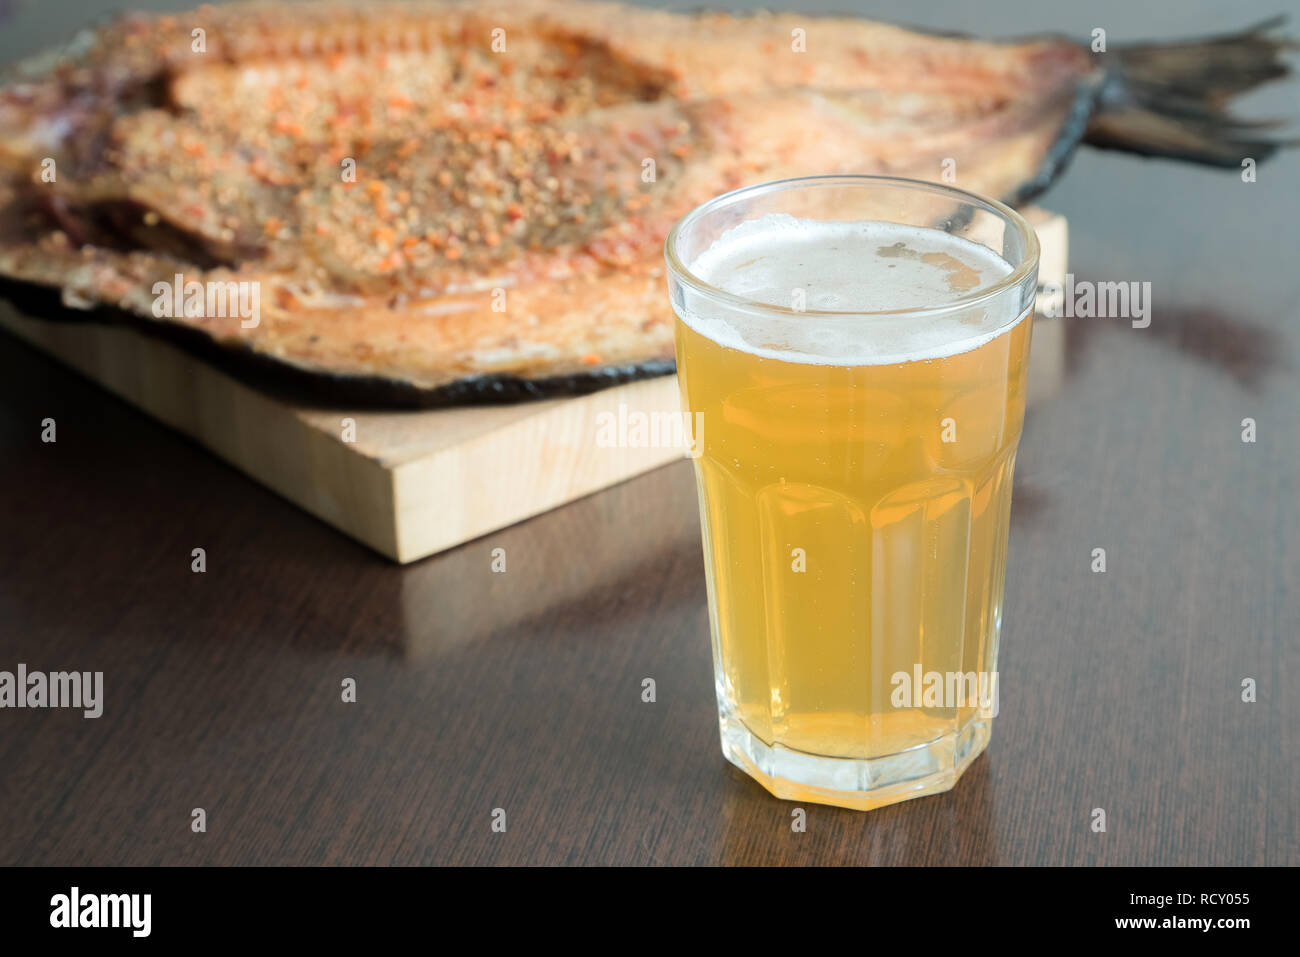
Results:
[443, 202]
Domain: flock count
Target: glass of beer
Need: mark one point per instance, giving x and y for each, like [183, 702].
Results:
[852, 351]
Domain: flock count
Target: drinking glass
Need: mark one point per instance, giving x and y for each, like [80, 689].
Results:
[854, 469]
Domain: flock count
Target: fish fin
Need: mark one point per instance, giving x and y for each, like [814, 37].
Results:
[1171, 99]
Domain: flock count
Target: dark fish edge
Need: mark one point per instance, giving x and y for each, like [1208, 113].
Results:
[320, 388]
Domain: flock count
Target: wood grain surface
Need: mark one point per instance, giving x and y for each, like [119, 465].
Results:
[521, 690]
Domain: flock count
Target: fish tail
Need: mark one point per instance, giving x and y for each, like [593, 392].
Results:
[1172, 99]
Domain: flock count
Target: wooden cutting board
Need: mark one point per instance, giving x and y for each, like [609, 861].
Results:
[412, 483]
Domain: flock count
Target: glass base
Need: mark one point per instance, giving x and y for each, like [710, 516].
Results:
[857, 783]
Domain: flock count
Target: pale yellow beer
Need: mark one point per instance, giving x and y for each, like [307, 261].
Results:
[855, 490]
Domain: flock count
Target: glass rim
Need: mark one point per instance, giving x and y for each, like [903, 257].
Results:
[1019, 272]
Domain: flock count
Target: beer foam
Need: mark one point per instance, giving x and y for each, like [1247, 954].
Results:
[849, 268]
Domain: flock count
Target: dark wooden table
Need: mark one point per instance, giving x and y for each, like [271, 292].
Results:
[522, 691]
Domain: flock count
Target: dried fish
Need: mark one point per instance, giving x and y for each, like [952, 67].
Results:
[444, 202]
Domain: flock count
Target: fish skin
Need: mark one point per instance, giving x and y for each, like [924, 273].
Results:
[482, 172]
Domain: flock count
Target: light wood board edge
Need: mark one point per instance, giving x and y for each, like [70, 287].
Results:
[524, 468]
[1047, 345]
